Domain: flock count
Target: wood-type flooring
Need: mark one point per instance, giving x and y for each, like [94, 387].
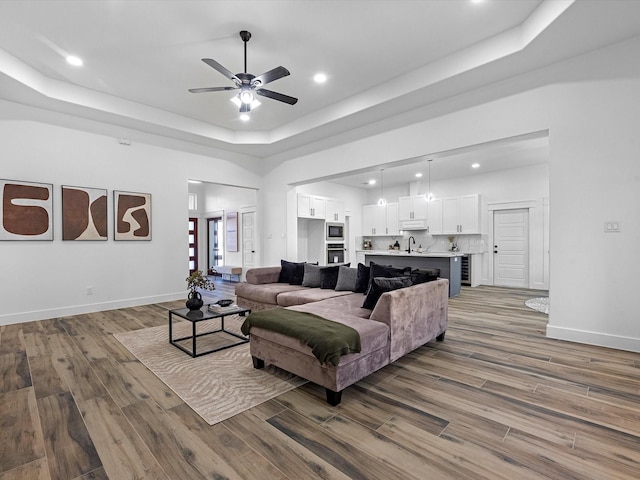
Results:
[495, 400]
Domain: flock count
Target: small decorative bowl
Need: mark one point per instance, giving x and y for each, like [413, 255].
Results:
[224, 303]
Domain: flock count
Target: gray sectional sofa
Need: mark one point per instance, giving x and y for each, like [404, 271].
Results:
[401, 321]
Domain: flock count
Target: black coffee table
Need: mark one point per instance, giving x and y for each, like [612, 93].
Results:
[204, 314]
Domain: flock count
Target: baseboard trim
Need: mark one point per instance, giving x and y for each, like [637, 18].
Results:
[594, 338]
[88, 308]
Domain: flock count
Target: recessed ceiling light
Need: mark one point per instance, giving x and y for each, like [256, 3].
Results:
[244, 117]
[418, 175]
[477, 1]
[319, 78]
[75, 61]
[372, 181]
[475, 165]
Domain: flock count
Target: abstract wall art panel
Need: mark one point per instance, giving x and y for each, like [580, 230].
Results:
[84, 213]
[26, 212]
[132, 212]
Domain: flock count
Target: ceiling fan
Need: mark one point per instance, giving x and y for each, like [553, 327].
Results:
[248, 83]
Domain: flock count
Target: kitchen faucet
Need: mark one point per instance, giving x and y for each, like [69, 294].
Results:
[409, 243]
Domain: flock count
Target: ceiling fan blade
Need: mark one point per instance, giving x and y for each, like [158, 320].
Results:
[270, 76]
[227, 73]
[277, 96]
[211, 89]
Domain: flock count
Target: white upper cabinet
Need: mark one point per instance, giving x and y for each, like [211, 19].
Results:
[334, 211]
[412, 212]
[392, 225]
[461, 214]
[311, 206]
[380, 220]
[434, 216]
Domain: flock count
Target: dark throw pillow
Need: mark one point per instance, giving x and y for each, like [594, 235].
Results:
[362, 279]
[346, 279]
[424, 275]
[386, 271]
[380, 285]
[329, 277]
[291, 272]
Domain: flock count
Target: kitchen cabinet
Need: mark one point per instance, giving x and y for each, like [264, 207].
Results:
[461, 214]
[434, 216]
[412, 212]
[334, 210]
[311, 206]
[392, 225]
[380, 220]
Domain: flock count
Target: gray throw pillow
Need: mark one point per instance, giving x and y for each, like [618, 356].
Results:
[346, 279]
[311, 276]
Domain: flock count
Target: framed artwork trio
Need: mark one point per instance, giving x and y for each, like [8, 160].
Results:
[27, 213]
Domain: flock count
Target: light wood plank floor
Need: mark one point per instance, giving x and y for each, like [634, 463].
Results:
[495, 400]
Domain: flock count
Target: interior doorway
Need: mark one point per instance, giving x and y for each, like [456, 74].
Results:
[511, 248]
[215, 242]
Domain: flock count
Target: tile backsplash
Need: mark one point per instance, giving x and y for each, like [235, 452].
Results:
[476, 243]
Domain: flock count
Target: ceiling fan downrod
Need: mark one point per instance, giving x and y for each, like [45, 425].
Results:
[245, 36]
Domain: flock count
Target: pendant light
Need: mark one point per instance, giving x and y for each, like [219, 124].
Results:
[382, 201]
[429, 196]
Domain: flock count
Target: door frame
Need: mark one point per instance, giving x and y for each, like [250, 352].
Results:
[196, 254]
[249, 209]
[538, 240]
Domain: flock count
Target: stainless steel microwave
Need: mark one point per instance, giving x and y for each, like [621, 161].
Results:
[335, 231]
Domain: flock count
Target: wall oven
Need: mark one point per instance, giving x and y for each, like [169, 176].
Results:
[335, 253]
[335, 232]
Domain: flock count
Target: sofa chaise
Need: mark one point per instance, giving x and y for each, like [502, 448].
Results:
[401, 320]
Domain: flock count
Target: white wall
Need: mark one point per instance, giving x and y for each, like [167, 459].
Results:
[590, 106]
[44, 279]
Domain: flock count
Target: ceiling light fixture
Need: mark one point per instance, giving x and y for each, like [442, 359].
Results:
[319, 78]
[419, 175]
[382, 201]
[430, 197]
[475, 165]
[243, 106]
[75, 61]
[246, 96]
[249, 85]
[372, 181]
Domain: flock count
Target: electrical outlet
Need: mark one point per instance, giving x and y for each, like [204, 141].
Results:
[612, 226]
[89, 290]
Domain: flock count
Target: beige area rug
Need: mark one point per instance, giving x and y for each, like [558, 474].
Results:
[216, 386]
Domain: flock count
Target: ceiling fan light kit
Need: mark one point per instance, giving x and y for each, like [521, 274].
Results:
[247, 83]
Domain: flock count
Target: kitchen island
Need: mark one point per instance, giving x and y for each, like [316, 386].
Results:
[449, 263]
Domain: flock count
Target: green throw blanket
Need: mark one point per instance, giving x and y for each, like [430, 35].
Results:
[327, 339]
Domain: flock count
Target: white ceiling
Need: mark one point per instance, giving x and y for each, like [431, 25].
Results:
[526, 150]
[382, 59]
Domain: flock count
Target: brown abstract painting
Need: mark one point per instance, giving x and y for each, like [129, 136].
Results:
[26, 212]
[84, 213]
[132, 216]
